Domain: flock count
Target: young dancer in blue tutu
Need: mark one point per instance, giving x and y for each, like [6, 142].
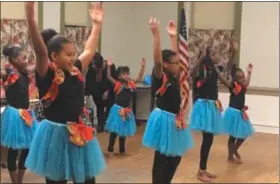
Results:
[64, 147]
[166, 131]
[206, 111]
[18, 123]
[236, 120]
[121, 121]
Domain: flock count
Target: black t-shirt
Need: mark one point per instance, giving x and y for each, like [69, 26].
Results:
[170, 101]
[125, 96]
[237, 101]
[69, 102]
[97, 89]
[209, 88]
[17, 94]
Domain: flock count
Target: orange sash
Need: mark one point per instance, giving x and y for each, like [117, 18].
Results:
[26, 116]
[180, 121]
[244, 114]
[219, 105]
[124, 113]
[119, 85]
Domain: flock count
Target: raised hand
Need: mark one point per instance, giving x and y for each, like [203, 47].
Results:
[154, 25]
[109, 62]
[143, 62]
[171, 28]
[97, 12]
[250, 68]
[29, 9]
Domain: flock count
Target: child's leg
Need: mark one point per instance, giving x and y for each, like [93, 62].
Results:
[112, 140]
[21, 165]
[172, 164]
[122, 144]
[12, 166]
[231, 148]
[159, 168]
[91, 181]
[207, 141]
[48, 181]
[4, 152]
[239, 142]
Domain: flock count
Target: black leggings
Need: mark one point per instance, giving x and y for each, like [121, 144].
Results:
[207, 141]
[236, 141]
[112, 141]
[91, 181]
[164, 168]
[12, 159]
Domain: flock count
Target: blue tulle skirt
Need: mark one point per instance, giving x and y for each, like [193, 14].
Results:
[161, 134]
[53, 156]
[205, 117]
[15, 133]
[235, 125]
[115, 123]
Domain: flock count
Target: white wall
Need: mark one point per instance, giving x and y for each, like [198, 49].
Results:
[213, 15]
[260, 42]
[76, 13]
[14, 10]
[51, 15]
[126, 36]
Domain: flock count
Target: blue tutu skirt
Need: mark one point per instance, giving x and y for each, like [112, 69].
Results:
[115, 123]
[235, 125]
[15, 133]
[161, 134]
[53, 156]
[205, 117]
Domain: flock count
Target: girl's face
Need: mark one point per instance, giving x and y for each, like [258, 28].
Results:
[240, 77]
[172, 66]
[124, 76]
[21, 61]
[66, 57]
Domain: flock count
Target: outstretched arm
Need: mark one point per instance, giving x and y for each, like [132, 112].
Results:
[142, 71]
[249, 72]
[96, 13]
[222, 78]
[172, 32]
[37, 41]
[158, 69]
[109, 76]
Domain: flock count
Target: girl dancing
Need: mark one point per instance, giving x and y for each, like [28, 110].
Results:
[206, 111]
[18, 124]
[121, 121]
[64, 147]
[236, 120]
[166, 131]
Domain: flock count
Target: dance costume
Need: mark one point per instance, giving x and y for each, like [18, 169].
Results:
[166, 131]
[18, 123]
[121, 121]
[64, 147]
[236, 120]
[206, 112]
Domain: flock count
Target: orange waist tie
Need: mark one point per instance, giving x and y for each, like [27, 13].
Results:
[26, 116]
[124, 113]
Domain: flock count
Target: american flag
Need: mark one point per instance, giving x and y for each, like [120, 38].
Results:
[184, 65]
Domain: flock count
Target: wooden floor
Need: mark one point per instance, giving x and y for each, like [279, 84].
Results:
[260, 155]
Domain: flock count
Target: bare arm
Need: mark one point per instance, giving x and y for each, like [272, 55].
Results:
[222, 78]
[142, 71]
[158, 69]
[109, 76]
[96, 13]
[249, 73]
[3, 75]
[37, 41]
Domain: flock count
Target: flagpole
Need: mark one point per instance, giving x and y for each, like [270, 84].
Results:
[180, 7]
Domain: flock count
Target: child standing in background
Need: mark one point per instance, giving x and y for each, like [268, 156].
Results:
[236, 121]
[121, 121]
[166, 132]
[18, 123]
